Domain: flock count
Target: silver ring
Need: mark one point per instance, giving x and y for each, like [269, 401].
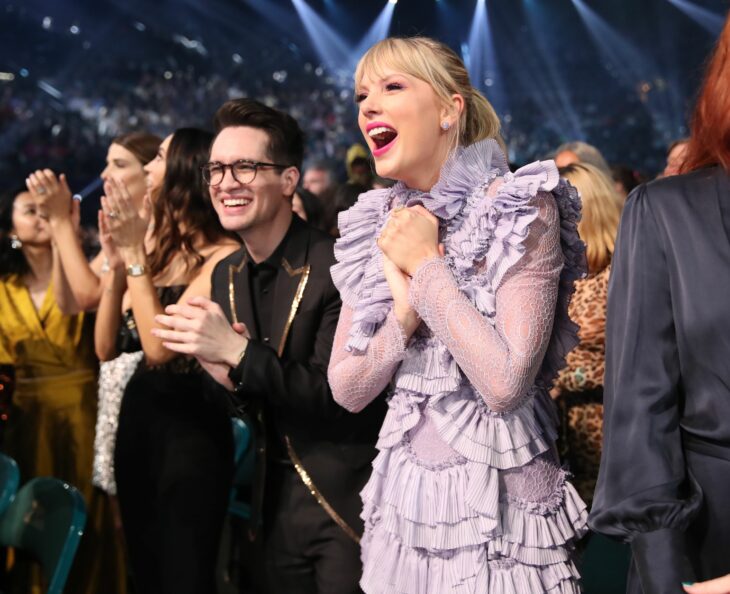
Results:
[112, 214]
[41, 190]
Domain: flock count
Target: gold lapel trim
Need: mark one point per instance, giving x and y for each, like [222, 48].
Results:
[317, 494]
[231, 289]
[304, 272]
[292, 271]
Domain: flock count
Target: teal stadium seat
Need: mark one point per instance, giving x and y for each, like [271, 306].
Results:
[9, 481]
[46, 520]
[243, 467]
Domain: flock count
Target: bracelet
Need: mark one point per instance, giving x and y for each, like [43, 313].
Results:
[241, 355]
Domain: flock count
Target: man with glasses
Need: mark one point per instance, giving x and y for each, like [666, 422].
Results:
[266, 336]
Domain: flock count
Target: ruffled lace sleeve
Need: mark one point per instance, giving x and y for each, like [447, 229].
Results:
[369, 342]
[500, 354]
[357, 378]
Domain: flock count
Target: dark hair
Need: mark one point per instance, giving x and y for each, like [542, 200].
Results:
[322, 165]
[11, 261]
[142, 145]
[286, 139]
[343, 198]
[182, 212]
[312, 207]
[629, 178]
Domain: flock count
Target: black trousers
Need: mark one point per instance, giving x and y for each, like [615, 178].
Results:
[173, 466]
[306, 551]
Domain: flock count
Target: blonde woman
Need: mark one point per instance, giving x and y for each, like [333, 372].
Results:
[455, 286]
[579, 386]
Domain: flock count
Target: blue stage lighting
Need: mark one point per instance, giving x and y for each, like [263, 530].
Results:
[707, 19]
[481, 58]
[637, 71]
[330, 47]
[377, 32]
[551, 87]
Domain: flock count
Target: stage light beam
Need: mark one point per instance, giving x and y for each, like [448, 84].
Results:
[330, 47]
[636, 70]
[377, 32]
[481, 58]
[706, 19]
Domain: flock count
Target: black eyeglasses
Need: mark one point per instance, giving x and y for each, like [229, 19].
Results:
[243, 171]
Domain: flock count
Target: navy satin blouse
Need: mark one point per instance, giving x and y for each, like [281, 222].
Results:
[664, 480]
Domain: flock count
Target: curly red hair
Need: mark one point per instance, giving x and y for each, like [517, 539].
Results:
[709, 143]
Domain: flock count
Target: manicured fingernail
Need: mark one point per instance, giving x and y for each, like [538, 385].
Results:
[687, 583]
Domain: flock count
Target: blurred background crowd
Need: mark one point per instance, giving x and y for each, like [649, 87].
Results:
[604, 88]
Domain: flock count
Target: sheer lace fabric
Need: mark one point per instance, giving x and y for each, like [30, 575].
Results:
[466, 494]
[500, 356]
[357, 379]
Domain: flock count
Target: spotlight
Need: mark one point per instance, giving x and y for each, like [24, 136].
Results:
[708, 20]
[392, 1]
[377, 31]
[331, 48]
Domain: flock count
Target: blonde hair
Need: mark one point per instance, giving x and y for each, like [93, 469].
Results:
[601, 212]
[438, 65]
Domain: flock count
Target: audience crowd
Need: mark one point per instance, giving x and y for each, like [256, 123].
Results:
[123, 285]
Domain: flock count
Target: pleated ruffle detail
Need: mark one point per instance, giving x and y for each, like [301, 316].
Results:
[394, 568]
[459, 503]
[458, 525]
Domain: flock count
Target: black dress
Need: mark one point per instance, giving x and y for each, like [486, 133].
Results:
[665, 471]
[174, 465]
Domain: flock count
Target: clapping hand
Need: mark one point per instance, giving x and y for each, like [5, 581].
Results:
[200, 328]
[124, 223]
[52, 195]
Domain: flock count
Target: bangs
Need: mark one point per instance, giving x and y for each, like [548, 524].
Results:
[393, 53]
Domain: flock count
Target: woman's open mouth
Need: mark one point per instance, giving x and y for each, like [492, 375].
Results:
[383, 136]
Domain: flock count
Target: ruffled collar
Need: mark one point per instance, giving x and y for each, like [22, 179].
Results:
[466, 169]
[477, 229]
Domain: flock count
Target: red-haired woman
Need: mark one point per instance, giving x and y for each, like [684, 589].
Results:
[665, 470]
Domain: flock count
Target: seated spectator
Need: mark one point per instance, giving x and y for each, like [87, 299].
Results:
[675, 157]
[579, 387]
[359, 167]
[51, 421]
[625, 179]
[581, 152]
[318, 178]
[309, 208]
[344, 197]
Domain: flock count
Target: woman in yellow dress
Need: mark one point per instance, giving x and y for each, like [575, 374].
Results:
[51, 424]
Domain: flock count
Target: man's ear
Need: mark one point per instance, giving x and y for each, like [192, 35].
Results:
[289, 180]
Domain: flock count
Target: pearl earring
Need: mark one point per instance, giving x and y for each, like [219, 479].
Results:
[15, 242]
[445, 125]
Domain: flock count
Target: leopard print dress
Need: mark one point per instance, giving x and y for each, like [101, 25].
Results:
[580, 384]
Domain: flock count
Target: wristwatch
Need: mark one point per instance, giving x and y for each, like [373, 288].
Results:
[136, 270]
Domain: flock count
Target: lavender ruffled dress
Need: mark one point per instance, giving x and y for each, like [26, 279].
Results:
[466, 494]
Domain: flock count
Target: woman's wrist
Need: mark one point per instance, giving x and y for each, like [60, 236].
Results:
[407, 318]
[58, 223]
[134, 254]
[115, 281]
[416, 263]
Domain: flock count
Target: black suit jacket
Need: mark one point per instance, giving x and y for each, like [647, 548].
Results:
[284, 386]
